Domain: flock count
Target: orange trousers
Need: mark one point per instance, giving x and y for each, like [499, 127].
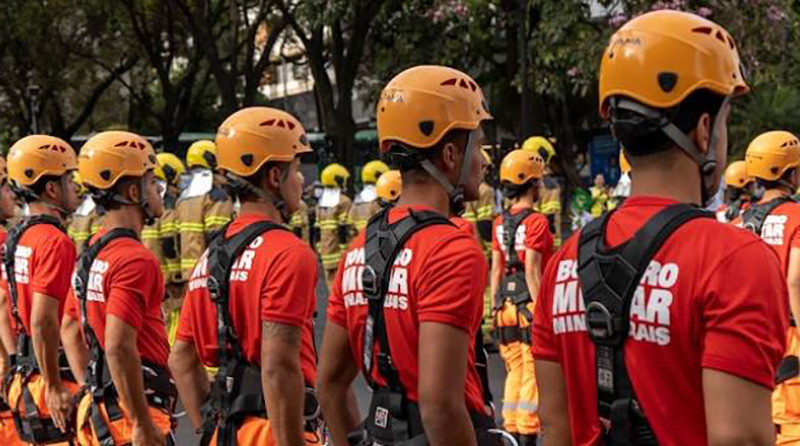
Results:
[37, 388]
[520, 396]
[786, 398]
[8, 432]
[121, 429]
[256, 431]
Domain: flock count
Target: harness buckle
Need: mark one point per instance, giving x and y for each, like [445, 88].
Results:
[213, 286]
[369, 282]
[600, 324]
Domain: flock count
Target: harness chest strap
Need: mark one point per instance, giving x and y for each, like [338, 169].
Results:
[608, 279]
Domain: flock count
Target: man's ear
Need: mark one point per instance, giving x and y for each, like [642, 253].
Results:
[703, 133]
[449, 155]
[133, 191]
[272, 178]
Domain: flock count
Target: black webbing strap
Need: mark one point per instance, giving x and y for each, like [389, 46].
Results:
[788, 368]
[511, 224]
[755, 216]
[608, 279]
[235, 374]
[31, 427]
[734, 209]
[382, 244]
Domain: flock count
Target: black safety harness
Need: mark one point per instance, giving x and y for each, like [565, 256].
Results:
[236, 392]
[393, 419]
[609, 278]
[753, 220]
[159, 388]
[514, 286]
[32, 427]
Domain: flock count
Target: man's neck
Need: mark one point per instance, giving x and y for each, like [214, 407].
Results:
[40, 208]
[671, 183]
[261, 208]
[124, 218]
[523, 202]
[771, 194]
[427, 194]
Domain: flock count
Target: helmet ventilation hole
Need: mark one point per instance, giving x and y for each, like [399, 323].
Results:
[106, 175]
[247, 160]
[426, 127]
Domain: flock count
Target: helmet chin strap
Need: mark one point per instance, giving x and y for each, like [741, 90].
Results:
[149, 216]
[707, 162]
[454, 192]
[277, 201]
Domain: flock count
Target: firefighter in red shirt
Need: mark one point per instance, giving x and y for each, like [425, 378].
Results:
[739, 188]
[8, 432]
[773, 159]
[41, 257]
[411, 330]
[250, 303]
[116, 301]
[657, 324]
[521, 246]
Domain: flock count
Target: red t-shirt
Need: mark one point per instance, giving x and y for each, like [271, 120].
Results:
[439, 276]
[781, 230]
[125, 281]
[43, 263]
[272, 281]
[533, 233]
[464, 225]
[713, 297]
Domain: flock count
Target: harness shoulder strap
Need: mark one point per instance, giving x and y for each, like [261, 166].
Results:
[511, 224]
[754, 217]
[9, 257]
[382, 244]
[608, 280]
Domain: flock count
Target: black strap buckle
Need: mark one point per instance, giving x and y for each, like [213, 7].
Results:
[601, 325]
[369, 282]
[213, 286]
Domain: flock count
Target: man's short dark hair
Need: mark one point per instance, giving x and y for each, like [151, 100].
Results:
[247, 192]
[407, 159]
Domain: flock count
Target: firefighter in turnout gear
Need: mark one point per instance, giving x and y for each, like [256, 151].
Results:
[366, 203]
[333, 220]
[37, 262]
[521, 246]
[550, 195]
[482, 211]
[655, 323]
[8, 432]
[85, 221]
[773, 159]
[204, 206]
[162, 238]
[251, 300]
[413, 335]
[739, 188]
[113, 329]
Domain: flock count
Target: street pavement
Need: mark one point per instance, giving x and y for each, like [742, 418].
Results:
[185, 435]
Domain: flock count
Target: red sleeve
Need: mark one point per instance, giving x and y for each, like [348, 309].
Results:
[55, 261]
[130, 285]
[544, 341]
[537, 234]
[185, 332]
[450, 283]
[71, 308]
[337, 312]
[290, 286]
[746, 319]
[495, 242]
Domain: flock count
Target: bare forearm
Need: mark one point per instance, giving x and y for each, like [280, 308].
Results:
[75, 349]
[126, 372]
[447, 424]
[193, 387]
[7, 336]
[494, 284]
[284, 394]
[45, 337]
[532, 278]
[341, 415]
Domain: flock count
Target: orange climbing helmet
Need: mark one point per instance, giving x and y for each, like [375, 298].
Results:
[35, 156]
[109, 156]
[254, 136]
[422, 104]
[661, 57]
[389, 186]
[521, 166]
[771, 154]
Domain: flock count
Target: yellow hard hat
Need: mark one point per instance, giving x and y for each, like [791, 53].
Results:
[372, 171]
[335, 175]
[170, 168]
[521, 166]
[76, 177]
[541, 146]
[389, 186]
[736, 175]
[202, 153]
[771, 154]
[624, 165]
